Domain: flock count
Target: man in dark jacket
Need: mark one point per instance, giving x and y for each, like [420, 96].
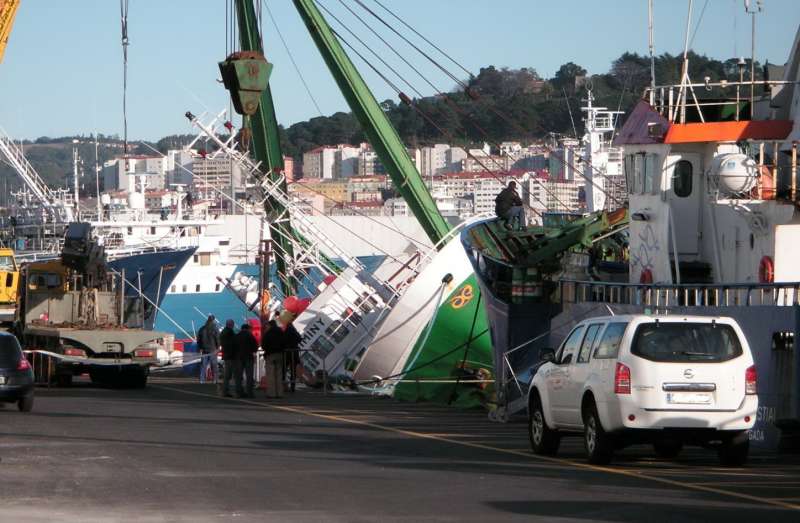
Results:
[246, 348]
[208, 344]
[232, 366]
[278, 336]
[508, 207]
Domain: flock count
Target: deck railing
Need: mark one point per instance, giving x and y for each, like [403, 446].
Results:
[685, 295]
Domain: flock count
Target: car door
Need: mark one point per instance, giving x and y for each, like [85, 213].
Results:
[579, 370]
[557, 375]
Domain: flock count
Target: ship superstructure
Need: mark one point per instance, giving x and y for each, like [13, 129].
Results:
[711, 183]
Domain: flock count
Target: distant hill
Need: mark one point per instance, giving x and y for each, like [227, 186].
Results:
[497, 104]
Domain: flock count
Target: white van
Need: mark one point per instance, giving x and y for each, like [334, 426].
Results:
[665, 380]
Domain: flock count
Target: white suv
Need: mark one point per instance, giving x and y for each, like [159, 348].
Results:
[665, 380]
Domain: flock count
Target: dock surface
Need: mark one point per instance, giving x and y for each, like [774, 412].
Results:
[175, 451]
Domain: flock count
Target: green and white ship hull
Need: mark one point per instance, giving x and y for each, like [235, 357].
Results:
[435, 344]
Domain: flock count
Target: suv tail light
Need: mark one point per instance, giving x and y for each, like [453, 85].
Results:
[622, 379]
[750, 378]
[72, 351]
[23, 364]
[144, 353]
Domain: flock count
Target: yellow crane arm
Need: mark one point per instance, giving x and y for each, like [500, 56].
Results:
[8, 10]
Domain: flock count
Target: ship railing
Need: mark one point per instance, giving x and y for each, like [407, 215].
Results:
[671, 101]
[680, 295]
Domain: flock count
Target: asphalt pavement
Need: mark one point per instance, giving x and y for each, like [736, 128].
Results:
[177, 452]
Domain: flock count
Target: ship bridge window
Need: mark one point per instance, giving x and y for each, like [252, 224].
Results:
[682, 178]
[634, 173]
[629, 173]
[649, 173]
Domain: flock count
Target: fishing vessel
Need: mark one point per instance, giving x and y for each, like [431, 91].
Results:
[709, 226]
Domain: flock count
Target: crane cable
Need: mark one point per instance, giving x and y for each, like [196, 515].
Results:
[422, 113]
[445, 96]
[291, 57]
[427, 117]
[467, 89]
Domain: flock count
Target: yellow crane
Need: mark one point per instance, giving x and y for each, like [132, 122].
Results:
[8, 10]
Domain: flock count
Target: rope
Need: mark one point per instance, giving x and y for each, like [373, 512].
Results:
[426, 364]
[466, 349]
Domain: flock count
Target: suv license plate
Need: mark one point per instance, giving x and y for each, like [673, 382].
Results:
[691, 398]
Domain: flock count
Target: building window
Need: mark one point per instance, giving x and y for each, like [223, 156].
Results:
[195, 258]
[152, 231]
[682, 178]
[185, 288]
[173, 288]
[216, 288]
[197, 288]
[130, 231]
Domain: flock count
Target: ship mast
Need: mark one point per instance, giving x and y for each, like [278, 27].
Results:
[75, 176]
[651, 46]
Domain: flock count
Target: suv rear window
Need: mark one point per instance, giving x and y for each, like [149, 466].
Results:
[680, 342]
[10, 353]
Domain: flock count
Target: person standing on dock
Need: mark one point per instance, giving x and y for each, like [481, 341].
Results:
[508, 207]
[246, 348]
[208, 344]
[275, 340]
[229, 357]
[291, 355]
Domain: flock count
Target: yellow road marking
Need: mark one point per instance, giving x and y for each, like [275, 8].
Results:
[481, 446]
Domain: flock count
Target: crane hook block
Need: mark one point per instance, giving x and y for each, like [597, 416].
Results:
[246, 75]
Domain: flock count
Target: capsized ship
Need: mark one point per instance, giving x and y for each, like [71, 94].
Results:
[714, 229]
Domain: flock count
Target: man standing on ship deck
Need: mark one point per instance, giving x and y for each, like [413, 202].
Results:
[208, 344]
[508, 207]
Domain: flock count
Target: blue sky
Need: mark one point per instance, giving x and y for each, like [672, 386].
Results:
[62, 72]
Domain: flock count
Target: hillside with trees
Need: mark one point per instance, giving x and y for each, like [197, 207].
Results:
[498, 104]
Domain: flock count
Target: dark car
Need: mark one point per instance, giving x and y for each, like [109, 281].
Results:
[16, 374]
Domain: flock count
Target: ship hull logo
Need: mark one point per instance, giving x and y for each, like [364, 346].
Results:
[463, 297]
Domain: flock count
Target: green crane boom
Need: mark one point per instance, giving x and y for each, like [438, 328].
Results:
[267, 149]
[380, 132]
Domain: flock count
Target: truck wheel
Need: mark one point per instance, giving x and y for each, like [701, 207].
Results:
[25, 404]
[597, 442]
[734, 451]
[544, 440]
[667, 448]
